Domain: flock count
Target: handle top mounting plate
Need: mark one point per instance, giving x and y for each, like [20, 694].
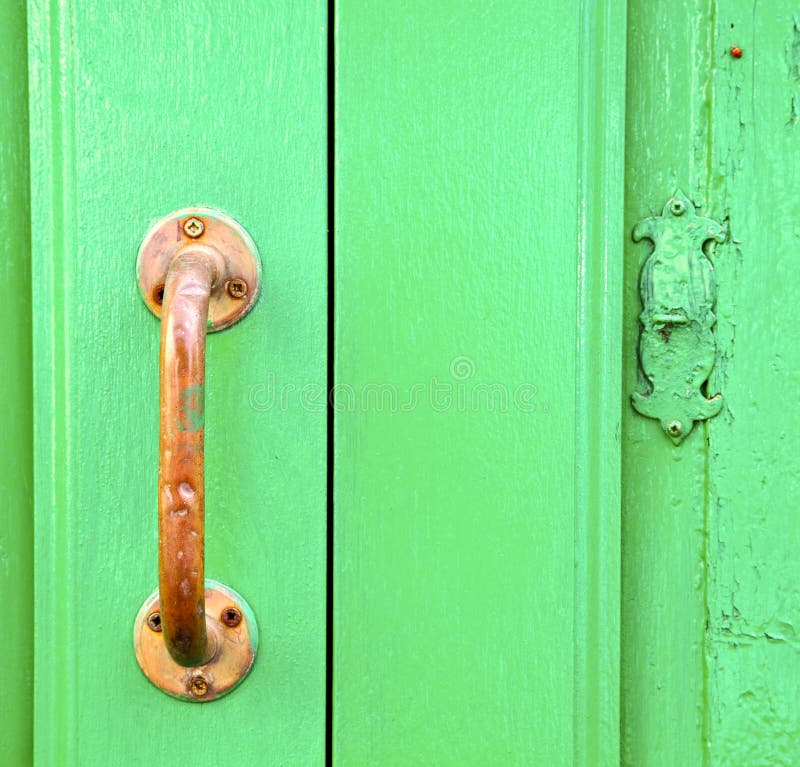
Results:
[236, 288]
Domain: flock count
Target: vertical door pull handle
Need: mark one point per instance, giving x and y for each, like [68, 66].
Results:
[198, 271]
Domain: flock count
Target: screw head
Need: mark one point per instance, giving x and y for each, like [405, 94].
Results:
[154, 621]
[198, 687]
[675, 428]
[677, 208]
[231, 616]
[237, 288]
[194, 227]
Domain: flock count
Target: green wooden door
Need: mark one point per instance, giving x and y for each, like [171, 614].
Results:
[136, 111]
[475, 552]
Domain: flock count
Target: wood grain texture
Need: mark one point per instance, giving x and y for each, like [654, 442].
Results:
[16, 449]
[753, 640]
[476, 544]
[136, 112]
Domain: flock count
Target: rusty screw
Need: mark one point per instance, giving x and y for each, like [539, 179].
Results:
[237, 288]
[675, 428]
[154, 621]
[231, 616]
[194, 227]
[198, 687]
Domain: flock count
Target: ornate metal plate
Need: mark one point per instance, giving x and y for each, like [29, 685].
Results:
[677, 348]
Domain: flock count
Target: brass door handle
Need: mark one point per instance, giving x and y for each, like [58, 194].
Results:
[198, 271]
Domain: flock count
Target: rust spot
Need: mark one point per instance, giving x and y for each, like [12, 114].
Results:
[158, 294]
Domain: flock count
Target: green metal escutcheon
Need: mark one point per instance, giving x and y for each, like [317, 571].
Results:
[677, 348]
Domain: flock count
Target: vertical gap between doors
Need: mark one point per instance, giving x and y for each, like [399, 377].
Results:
[330, 383]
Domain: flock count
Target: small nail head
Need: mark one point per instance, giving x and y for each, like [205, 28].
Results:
[736, 52]
[193, 227]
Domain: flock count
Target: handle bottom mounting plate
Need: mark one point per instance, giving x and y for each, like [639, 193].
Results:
[232, 628]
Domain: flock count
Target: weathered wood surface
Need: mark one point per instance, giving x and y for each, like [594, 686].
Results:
[711, 601]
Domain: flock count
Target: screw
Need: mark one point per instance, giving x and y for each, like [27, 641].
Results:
[158, 293]
[231, 617]
[198, 687]
[237, 288]
[677, 207]
[675, 428]
[154, 621]
[194, 227]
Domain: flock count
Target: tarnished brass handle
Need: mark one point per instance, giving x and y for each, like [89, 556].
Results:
[199, 271]
[181, 492]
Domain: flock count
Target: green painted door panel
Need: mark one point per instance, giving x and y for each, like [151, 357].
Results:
[137, 110]
[477, 306]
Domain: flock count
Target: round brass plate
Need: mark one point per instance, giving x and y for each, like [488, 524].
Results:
[236, 289]
[231, 629]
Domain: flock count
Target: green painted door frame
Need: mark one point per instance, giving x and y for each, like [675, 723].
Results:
[462, 545]
[16, 418]
[710, 601]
